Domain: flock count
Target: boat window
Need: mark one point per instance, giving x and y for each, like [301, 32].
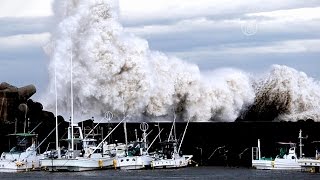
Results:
[17, 149]
[293, 157]
[127, 159]
[133, 160]
[121, 160]
[282, 152]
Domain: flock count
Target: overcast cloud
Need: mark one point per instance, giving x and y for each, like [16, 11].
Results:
[249, 35]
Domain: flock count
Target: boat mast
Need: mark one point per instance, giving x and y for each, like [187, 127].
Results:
[259, 151]
[144, 127]
[125, 125]
[300, 142]
[173, 128]
[71, 94]
[56, 98]
[184, 133]
[136, 134]
[125, 133]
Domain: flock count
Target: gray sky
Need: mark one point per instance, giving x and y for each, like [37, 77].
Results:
[249, 35]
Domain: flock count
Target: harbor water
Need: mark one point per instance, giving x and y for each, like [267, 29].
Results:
[211, 172]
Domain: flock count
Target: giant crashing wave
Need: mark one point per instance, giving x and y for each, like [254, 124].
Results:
[116, 71]
[285, 94]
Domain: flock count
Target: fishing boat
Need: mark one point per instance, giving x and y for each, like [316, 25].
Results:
[137, 156]
[169, 156]
[285, 160]
[84, 156]
[82, 153]
[23, 155]
[311, 164]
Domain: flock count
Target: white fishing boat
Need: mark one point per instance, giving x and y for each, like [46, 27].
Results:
[137, 156]
[76, 158]
[286, 160]
[22, 156]
[84, 156]
[169, 156]
[311, 164]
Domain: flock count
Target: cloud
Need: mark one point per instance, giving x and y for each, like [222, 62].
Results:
[290, 14]
[291, 46]
[30, 25]
[249, 56]
[191, 33]
[21, 8]
[23, 40]
[159, 12]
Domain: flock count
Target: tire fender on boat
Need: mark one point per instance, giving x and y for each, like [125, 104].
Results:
[19, 163]
[100, 163]
[115, 163]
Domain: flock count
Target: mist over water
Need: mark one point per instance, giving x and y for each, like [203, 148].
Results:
[116, 71]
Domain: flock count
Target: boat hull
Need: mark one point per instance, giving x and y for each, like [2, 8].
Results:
[77, 164]
[17, 166]
[19, 162]
[281, 164]
[172, 163]
[133, 162]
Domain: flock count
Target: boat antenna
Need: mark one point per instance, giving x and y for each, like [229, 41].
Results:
[184, 133]
[25, 117]
[159, 131]
[136, 134]
[154, 139]
[173, 128]
[35, 127]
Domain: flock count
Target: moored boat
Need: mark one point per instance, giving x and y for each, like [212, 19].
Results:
[137, 156]
[89, 157]
[169, 156]
[287, 158]
[23, 155]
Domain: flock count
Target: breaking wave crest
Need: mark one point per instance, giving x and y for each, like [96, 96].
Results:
[116, 71]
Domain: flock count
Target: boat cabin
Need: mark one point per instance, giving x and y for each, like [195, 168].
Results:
[20, 142]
